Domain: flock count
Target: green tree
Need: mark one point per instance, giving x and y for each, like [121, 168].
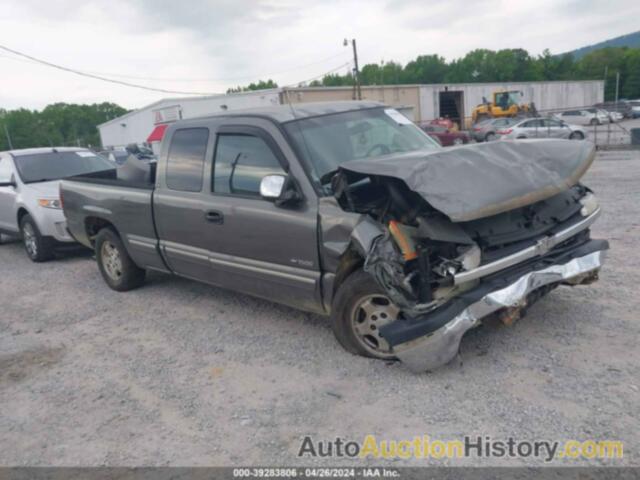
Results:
[425, 69]
[631, 86]
[260, 85]
[59, 124]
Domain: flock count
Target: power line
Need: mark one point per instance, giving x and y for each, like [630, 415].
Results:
[98, 77]
[333, 70]
[29, 59]
[228, 79]
[133, 85]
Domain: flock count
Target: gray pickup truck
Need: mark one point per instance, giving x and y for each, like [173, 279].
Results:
[349, 210]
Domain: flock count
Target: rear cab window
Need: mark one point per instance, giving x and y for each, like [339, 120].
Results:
[185, 162]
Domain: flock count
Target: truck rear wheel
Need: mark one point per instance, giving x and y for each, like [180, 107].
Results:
[116, 266]
[360, 308]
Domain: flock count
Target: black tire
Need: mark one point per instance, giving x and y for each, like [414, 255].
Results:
[576, 136]
[38, 247]
[115, 264]
[490, 137]
[359, 287]
[594, 122]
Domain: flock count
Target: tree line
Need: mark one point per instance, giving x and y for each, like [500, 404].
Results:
[508, 65]
[59, 124]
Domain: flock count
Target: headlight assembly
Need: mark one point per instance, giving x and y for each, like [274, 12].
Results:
[50, 203]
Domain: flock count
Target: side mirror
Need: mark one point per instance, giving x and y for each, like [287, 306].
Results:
[280, 188]
[10, 183]
[271, 186]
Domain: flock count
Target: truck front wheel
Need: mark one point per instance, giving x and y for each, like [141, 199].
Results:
[116, 266]
[360, 308]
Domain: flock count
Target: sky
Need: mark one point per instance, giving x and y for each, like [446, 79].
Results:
[206, 46]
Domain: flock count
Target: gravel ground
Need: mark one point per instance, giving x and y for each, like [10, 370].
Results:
[179, 373]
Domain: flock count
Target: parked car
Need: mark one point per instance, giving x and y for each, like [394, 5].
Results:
[542, 128]
[620, 108]
[116, 156]
[445, 122]
[119, 156]
[29, 199]
[635, 108]
[614, 116]
[583, 117]
[485, 131]
[348, 209]
[444, 136]
[602, 115]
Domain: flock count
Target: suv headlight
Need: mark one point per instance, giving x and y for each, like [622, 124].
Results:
[50, 203]
[589, 204]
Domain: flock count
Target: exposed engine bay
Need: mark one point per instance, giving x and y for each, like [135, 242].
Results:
[419, 250]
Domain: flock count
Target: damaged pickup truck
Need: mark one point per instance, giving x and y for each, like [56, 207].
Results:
[349, 210]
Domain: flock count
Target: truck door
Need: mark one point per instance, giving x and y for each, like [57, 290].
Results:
[179, 201]
[255, 246]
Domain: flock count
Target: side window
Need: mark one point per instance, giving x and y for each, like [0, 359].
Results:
[241, 161]
[5, 169]
[186, 159]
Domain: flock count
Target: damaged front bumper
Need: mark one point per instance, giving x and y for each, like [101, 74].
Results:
[433, 339]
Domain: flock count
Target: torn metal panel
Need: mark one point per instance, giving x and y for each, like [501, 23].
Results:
[336, 227]
[468, 183]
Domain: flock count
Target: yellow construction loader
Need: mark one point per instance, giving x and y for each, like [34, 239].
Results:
[505, 104]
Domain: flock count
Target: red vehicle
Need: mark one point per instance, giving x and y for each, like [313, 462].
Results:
[445, 136]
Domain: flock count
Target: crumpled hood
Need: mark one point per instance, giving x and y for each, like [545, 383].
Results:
[476, 181]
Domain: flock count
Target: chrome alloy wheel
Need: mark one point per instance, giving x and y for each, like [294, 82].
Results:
[111, 260]
[369, 314]
[30, 240]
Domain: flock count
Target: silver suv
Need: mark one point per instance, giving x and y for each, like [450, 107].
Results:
[29, 194]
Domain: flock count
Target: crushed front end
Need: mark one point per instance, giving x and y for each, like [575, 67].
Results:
[449, 269]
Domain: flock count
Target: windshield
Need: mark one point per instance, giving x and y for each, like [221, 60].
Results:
[326, 142]
[42, 167]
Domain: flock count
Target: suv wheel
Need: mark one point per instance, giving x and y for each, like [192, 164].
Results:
[490, 137]
[116, 266]
[38, 247]
[360, 308]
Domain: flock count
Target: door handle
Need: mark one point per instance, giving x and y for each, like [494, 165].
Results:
[213, 216]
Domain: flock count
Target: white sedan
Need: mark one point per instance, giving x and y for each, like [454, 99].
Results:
[584, 117]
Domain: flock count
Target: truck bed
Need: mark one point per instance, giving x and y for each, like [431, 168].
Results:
[110, 177]
[127, 206]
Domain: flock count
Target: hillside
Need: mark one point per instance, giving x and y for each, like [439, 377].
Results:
[629, 40]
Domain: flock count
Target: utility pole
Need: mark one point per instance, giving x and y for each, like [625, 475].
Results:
[357, 92]
[617, 87]
[6, 131]
[606, 72]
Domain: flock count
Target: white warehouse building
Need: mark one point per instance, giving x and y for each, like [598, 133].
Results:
[421, 103]
[147, 124]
